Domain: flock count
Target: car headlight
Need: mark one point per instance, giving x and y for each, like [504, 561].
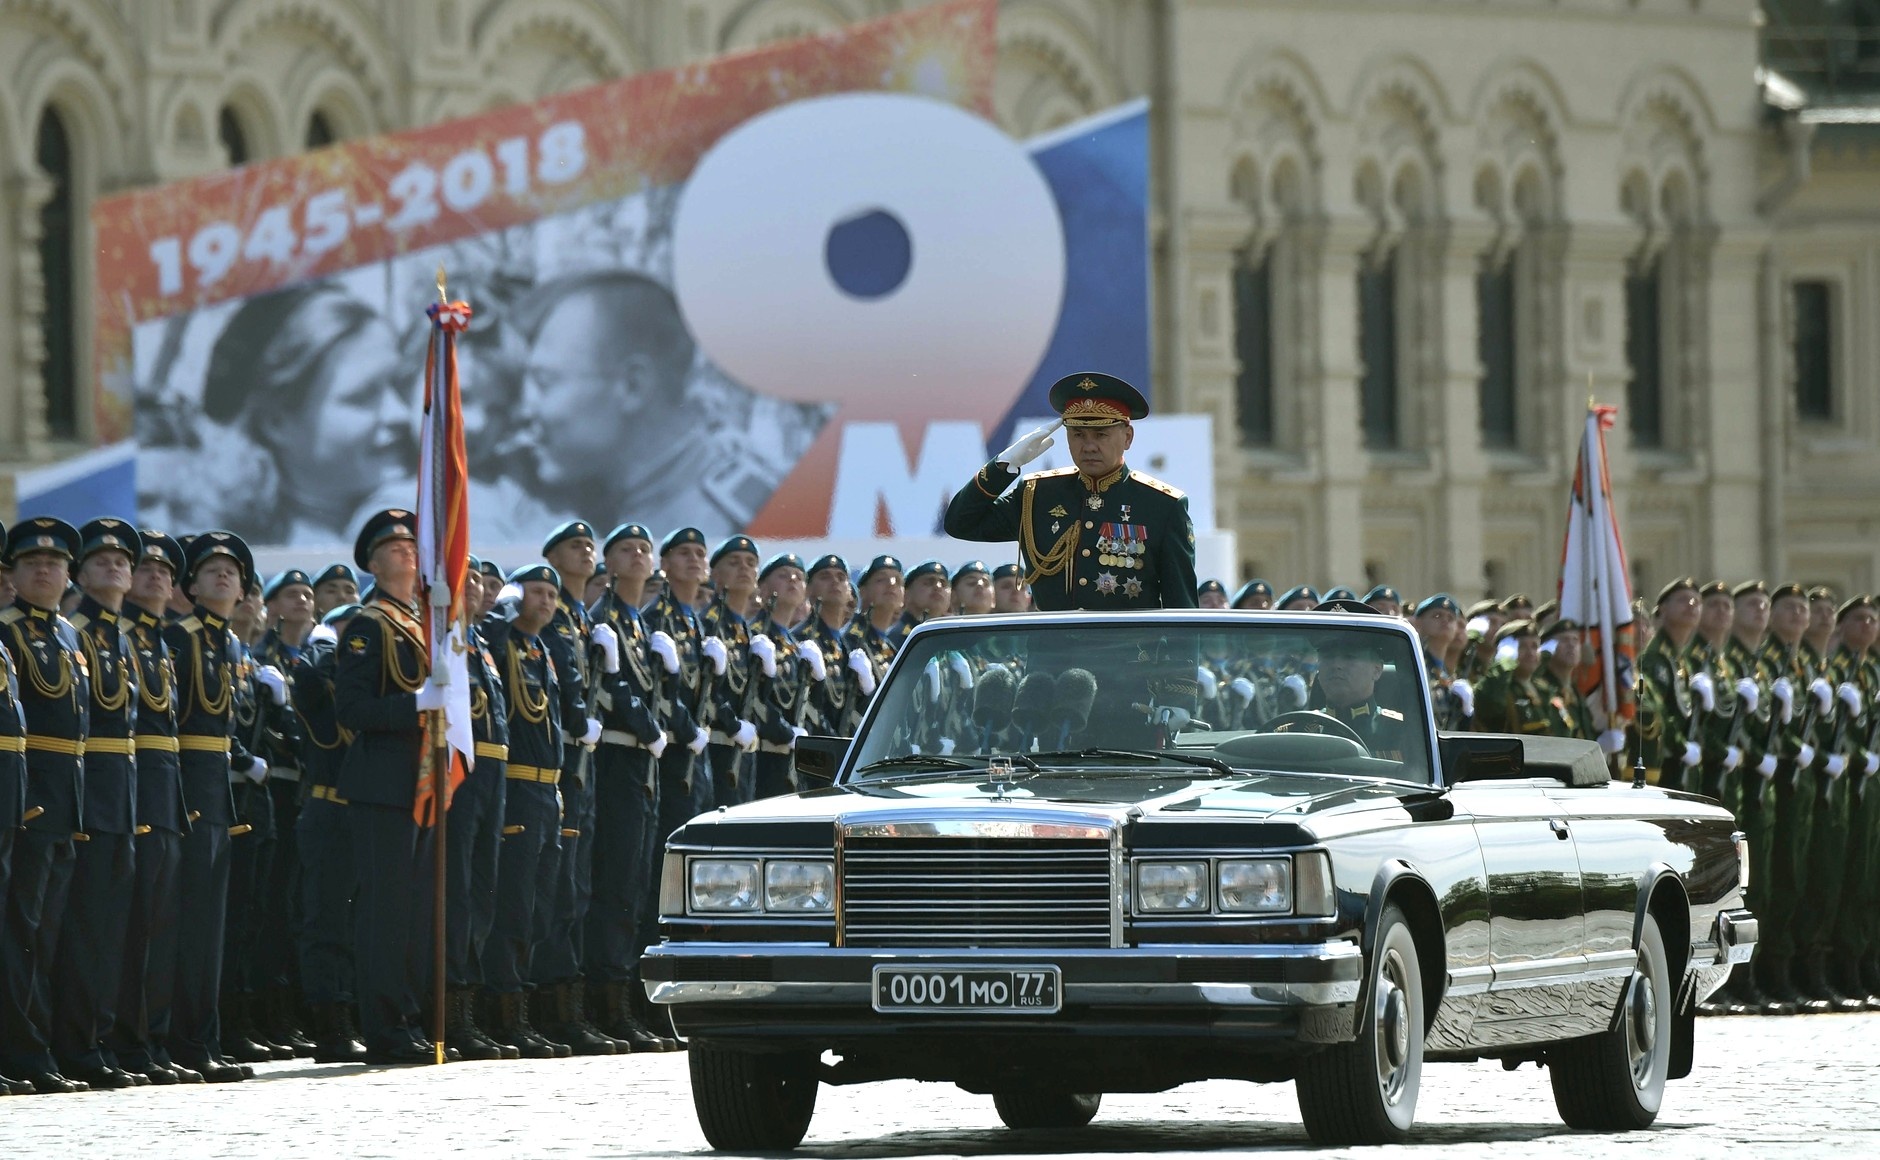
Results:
[799, 887]
[723, 885]
[1163, 887]
[1255, 885]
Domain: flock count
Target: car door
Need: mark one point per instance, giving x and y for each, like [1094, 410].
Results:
[1616, 848]
[1536, 911]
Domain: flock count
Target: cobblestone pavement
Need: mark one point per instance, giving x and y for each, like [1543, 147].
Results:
[1764, 1087]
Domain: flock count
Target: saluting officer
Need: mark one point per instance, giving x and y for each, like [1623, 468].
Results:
[1096, 535]
[207, 657]
[91, 947]
[734, 583]
[381, 684]
[54, 699]
[783, 681]
[148, 985]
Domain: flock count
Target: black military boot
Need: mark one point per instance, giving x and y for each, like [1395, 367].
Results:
[461, 1031]
[335, 1039]
[237, 1042]
[562, 1021]
[1779, 996]
[1744, 996]
[511, 1029]
[283, 1024]
[619, 1022]
[1847, 976]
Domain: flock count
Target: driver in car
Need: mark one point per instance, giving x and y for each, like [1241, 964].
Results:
[1349, 669]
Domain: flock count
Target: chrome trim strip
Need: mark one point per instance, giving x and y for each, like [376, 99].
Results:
[1562, 972]
[860, 995]
[1017, 822]
[1470, 981]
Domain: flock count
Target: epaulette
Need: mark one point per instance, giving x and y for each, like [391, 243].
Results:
[190, 624]
[1389, 714]
[11, 615]
[1151, 481]
[80, 620]
[1055, 471]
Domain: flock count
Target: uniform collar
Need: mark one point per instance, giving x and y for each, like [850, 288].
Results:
[1107, 482]
[34, 611]
[210, 618]
[97, 611]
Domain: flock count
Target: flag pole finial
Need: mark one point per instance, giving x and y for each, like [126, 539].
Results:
[441, 296]
[1590, 402]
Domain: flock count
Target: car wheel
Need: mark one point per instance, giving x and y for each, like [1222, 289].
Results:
[1615, 1081]
[752, 1101]
[1365, 1091]
[1030, 1108]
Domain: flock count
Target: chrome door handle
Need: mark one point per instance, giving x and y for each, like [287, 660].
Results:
[1558, 827]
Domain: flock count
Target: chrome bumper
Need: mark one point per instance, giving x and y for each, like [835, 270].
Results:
[1290, 976]
[1736, 936]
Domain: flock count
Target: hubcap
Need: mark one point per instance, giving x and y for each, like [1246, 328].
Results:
[1393, 1028]
[1641, 1026]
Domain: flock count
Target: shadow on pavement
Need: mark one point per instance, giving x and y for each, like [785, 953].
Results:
[1176, 1135]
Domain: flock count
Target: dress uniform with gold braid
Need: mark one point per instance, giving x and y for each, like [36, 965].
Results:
[251, 858]
[1567, 712]
[1507, 702]
[835, 697]
[1840, 858]
[1857, 939]
[1790, 667]
[531, 820]
[278, 665]
[1123, 541]
[1668, 719]
[782, 694]
[382, 666]
[53, 696]
[685, 784]
[91, 946]
[733, 734]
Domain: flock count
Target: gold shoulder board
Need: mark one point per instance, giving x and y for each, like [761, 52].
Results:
[10, 615]
[1151, 481]
[1055, 471]
[189, 624]
[80, 620]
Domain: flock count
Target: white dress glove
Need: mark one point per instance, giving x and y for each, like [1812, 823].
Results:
[1477, 628]
[1766, 768]
[666, 650]
[931, 678]
[1465, 694]
[323, 633]
[1870, 764]
[258, 772]
[657, 746]
[1784, 693]
[1612, 741]
[864, 672]
[1747, 693]
[813, 657]
[609, 642]
[1805, 756]
[1705, 690]
[1836, 765]
[430, 695]
[700, 739]
[1693, 753]
[714, 650]
[1732, 757]
[1850, 696]
[765, 650]
[961, 670]
[1242, 689]
[746, 736]
[592, 733]
[270, 678]
[1030, 447]
[946, 746]
[1210, 688]
[1173, 719]
[1295, 686]
[1823, 693]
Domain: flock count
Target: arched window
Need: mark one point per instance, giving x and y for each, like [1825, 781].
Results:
[320, 131]
[234, 141]
[59, 372]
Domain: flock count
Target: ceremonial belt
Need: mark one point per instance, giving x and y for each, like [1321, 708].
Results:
[774, 747]
[121, 745]
[327, 793]
[12, 745]
[720, 737]
[543, 775]
[621, 737]
[284, 773]
[157, 741]
[65, 745]
[492, 749]
[202, 743]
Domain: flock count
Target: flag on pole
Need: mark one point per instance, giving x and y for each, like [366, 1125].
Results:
[1595, 584]
[444, 552]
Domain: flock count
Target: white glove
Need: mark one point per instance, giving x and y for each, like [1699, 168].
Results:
[1732, 757]
[1242, 689]
[1836, 765]
[323, 632]
[1549, 646]
[258, 772]
[657, 746]
[1693, 753]
[1850, 696]
[1805, 756]
[1823, 693]
[609, 642]
[1210, 688]
[1477, 628]
[1030, 447]
[270, 678]
[946, 746]
[1784, 693]
[961, 669]
[592, 733]
[813, 657]
[931, 678]
[864, 672]
[1465, 694]
[746, 736]
[1766, 768]
[1507, 650]
[1870, 764]
[1612, 741]
[700, 739]
[1747, 693]
[430, 696]
[765, 650]
[1705, 690]
[666, 650]
[1171, 718]
[1295, 686]
[714, 650]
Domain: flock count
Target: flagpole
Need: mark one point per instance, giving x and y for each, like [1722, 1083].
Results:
[440, 749]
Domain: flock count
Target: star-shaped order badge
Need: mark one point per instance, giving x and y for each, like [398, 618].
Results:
[1132, 588]
[1106, 582]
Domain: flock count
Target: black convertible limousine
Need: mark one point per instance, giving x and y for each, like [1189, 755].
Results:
[1069, 854]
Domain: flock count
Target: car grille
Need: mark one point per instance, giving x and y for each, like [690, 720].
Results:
[976, 892]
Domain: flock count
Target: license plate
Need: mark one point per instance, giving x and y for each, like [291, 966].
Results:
[979, 990]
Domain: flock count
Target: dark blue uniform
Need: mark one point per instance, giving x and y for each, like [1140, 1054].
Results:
[531, 814]
[561, 916]
[731, 692]
[778, 706]
[685, 789]
[474, 838]
[275, 967]
[324, 938]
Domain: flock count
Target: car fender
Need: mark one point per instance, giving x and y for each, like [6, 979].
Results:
[1398, 875]
[1660, 876]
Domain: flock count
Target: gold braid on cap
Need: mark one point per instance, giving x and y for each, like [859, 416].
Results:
[1048, 563]
[1090, 412]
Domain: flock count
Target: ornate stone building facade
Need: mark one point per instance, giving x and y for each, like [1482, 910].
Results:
[1397, 245]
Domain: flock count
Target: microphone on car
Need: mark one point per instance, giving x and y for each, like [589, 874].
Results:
[1032, 708]
[992, 703]
[1076, 693]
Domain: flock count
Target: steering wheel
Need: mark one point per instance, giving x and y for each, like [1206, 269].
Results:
[1336, 728]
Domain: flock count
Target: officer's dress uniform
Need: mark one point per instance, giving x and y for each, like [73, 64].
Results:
[91, 948]
[685, 784]
[148, 983]
[381, 664]
[472, 851]
[328, 874]
[835, 702]
[1381, 728]
[1509, 703]
[778, 706]
[276, 967]
[731, 693]
[1667, 717]
[1792, 827]
[561, 914]
[53, 697]
[251, 858]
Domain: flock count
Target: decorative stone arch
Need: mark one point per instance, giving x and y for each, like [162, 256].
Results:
[91, 40]
[762, 22]
[1050, 72]
[1275, 107]
[606, 49]
[1398, 109]
[335, 94]
[258, 110]
[358, 48]
[1518, 113]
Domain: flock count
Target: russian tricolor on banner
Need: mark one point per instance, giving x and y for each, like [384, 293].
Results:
[1595, 584]
[444, 551]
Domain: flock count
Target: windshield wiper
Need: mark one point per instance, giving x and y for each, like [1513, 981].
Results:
[1213, 763]
[931, 760]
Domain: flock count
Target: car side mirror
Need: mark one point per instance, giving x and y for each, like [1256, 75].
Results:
[1481, 757]
[817, 758]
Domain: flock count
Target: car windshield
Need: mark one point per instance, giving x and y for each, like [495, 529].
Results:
[1208, 699]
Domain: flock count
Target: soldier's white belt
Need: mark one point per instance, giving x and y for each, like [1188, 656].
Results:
[621, 737]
